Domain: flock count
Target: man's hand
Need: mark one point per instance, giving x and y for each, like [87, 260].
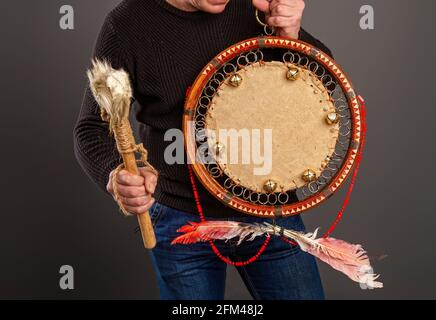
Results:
[284, 15]
[135, 191]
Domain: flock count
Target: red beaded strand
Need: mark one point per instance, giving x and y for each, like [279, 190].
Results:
[212, 244]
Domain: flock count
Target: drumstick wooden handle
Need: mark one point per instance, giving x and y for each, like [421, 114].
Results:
[113, 92]
[144, 219]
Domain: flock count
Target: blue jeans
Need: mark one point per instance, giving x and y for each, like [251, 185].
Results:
[194, 272]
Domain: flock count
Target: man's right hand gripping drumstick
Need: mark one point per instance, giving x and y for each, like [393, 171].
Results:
[135, 191]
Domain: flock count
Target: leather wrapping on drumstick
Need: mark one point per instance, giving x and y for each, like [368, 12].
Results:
[295, 111]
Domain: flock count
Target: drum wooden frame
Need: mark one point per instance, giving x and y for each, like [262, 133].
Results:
[305, 52]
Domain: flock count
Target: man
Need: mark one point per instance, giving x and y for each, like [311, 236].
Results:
[163, 45]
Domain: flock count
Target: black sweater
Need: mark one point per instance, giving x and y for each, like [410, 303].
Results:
[163, 49]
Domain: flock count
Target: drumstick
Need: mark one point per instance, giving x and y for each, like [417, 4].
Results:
[113, 93]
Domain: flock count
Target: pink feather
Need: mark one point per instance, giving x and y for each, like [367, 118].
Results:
[350, 259]
[214, 230]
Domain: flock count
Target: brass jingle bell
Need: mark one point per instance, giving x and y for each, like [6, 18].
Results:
[235, 80]
[270, 186]
[219, 149]
[332, 118]
[293, 73]
[309, 176]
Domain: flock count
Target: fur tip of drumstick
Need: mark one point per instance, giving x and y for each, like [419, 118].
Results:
[111, 89]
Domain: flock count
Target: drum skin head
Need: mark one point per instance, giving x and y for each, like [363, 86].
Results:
[295, 113]
[314, 119]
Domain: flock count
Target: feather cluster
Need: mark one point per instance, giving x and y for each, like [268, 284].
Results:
[350, 259]
[112, 91]
[217, 230]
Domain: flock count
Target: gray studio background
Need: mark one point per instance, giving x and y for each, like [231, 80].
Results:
[52, 215]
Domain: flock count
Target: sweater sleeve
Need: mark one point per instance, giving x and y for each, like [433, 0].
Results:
[94, 148]
[307, 37]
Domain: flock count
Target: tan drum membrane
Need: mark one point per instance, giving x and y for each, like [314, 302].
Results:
[295, 111]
